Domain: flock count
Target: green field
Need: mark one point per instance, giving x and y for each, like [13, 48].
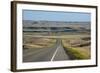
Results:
[78, 48]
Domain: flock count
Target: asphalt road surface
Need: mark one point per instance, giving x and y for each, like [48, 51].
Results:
[56, 53]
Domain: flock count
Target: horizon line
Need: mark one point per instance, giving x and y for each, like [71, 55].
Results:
[56, 21]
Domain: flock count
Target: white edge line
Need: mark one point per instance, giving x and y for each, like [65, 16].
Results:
[54, 54]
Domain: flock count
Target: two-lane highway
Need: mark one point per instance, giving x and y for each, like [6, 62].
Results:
[55, 53]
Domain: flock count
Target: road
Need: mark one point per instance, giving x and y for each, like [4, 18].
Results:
[56, 53]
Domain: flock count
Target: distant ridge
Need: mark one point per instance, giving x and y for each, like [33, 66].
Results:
[58, 21]
[30, 23]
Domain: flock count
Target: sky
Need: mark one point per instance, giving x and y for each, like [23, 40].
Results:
[56, 16]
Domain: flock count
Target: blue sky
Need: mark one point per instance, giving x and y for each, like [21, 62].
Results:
[56, 16]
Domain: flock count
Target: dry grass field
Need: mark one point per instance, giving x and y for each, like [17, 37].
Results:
[76, 43]
[37, 42]
[77, 46]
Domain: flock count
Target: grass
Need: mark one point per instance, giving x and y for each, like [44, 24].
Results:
[58, 36]
[31, 42]
[77, 52]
